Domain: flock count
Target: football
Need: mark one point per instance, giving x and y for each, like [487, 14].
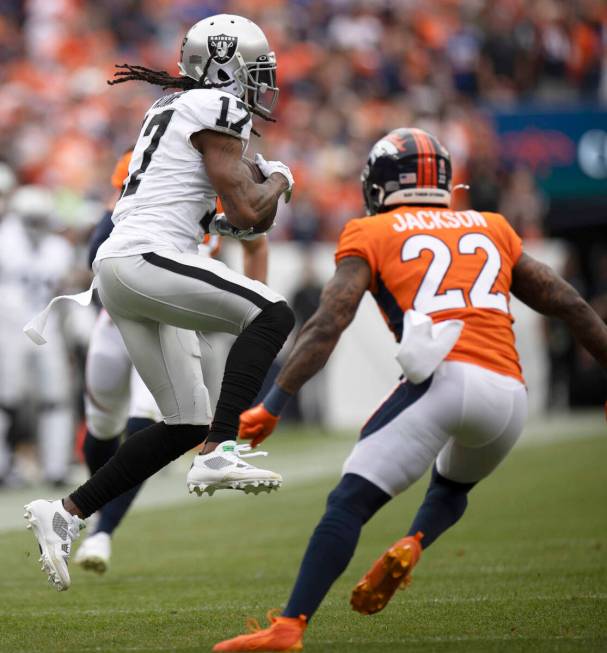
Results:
[258, 178]
[256, 174]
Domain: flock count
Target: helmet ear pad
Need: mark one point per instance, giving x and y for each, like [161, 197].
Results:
[378, 181]
[373, 197]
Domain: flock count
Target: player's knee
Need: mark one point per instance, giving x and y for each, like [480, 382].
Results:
[104, 426]
[281, 316]
[357, 495]
[278, 317]
[136, 424]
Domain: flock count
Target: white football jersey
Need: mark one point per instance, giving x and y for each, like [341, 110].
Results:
[168, 191]
[31, 272]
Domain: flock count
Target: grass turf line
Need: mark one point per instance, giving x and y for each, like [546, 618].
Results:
[525, 569]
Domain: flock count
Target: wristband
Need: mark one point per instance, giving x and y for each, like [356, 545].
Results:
[275, 400]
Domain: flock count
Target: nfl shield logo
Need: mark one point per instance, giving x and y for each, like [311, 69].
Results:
[222, 47]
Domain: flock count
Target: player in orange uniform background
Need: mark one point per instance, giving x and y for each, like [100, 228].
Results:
[442, 280]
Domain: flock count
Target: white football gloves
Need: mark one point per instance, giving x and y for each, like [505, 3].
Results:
[269, 167]
[220, 226]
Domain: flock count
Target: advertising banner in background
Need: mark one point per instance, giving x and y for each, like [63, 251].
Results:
[567, 151]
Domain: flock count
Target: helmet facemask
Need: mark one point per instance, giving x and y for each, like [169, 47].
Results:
[258, 79]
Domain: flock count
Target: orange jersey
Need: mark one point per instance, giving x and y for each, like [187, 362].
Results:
[121, 169]
[448, 265]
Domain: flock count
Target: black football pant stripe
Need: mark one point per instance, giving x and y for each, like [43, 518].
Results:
[207, 277]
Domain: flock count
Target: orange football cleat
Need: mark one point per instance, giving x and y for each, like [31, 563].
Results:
[256, 424]
[284, 634]
[391, 571]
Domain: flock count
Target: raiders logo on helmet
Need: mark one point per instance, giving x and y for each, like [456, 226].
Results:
[222, 47]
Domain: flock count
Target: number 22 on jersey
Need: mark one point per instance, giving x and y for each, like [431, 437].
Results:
[428, 299]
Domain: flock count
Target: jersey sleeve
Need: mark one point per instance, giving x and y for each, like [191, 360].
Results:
[507, 237]
[121, 169]
[356, 241]
[216, 110]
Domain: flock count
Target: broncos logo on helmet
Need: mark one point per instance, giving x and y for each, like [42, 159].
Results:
[406, 166]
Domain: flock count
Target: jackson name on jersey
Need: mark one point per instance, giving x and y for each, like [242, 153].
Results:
[168, 191]
[448, 265]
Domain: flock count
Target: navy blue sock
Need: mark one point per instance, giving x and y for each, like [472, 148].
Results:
[351, 504]
[97, 452]
[112, 513]
[445, 502]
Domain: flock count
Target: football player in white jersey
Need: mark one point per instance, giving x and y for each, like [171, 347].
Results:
[34, 264]
[116, 400]
[159, 291]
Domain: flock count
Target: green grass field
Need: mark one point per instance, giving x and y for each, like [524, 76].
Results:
[525, 570]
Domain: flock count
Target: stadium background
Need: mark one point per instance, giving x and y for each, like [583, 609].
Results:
[517, 91]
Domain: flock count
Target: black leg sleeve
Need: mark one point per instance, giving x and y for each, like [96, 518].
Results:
[97, 452]
[247, 365]
[141, 456]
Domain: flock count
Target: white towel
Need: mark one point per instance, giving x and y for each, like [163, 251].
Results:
[34, 329]
[425, 344]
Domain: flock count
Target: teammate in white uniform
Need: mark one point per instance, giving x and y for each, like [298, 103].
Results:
[8, 181]
[34, 263]
[154, 285]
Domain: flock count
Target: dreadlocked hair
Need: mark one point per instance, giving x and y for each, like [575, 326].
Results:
[128, 72]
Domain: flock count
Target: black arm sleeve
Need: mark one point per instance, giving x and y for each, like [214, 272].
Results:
[102, 232]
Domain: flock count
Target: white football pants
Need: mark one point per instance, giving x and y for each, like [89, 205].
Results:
[464, 417]
[158, 301]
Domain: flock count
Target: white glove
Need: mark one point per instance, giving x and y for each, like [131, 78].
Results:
[220, 226]
[270, 167]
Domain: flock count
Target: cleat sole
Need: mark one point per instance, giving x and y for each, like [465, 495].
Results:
[96, 564]
[246, 486]
[372, 596]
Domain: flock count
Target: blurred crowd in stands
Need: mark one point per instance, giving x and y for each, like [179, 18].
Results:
[348, 70]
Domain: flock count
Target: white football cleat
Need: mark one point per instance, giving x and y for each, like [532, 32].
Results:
[55, 529]
[224, 469]
[94, 553]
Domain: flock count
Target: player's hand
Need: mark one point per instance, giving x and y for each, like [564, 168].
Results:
[220, 226]
[270, 167]
[256, 424]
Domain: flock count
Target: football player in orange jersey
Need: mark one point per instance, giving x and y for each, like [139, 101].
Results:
[442, 280]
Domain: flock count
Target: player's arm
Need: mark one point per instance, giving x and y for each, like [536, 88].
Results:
[255, 258]
[319, 335]
[245, 203]
[316, 341]
[103, 229]
[538, 286]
